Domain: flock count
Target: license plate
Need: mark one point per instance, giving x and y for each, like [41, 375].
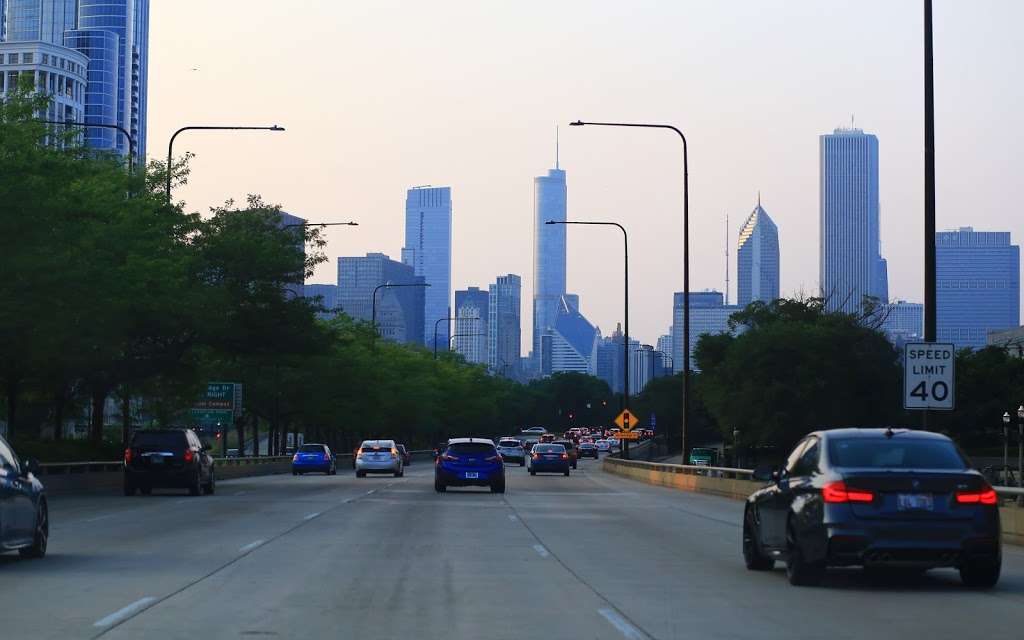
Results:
[156, 459]
[472, 475]
[915, 502]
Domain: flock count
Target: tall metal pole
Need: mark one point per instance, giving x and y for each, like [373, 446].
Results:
[170, 144]
[625, 311]
[929, 179]
[686, 260]
[124, 132]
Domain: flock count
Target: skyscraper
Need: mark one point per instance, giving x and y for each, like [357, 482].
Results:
[129, 21]
[471, 309]
[757, 259]
[569, 344]
[504, 326]
[851, 265]
[904, 321]
[399, 309]
[977, 282]
[46, 20]
[708, 315]
[549, 203]
[428, 249]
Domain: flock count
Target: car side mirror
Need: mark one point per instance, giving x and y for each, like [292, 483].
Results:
[30, 466]
[765, 473]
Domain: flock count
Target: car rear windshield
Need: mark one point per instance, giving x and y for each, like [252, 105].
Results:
[373, 446]
[509, 443]
[170, 439]
[549, 448]
[895, 453]
[311, 448]
[469, 448]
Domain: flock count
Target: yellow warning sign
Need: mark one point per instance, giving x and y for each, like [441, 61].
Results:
[626, 420]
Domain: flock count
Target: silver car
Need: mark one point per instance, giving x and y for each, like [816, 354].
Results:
[511, 450]
[379, 456]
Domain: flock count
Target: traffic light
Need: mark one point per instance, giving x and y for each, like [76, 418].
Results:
[218, 435]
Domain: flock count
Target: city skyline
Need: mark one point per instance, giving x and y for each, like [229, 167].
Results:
[477, 131]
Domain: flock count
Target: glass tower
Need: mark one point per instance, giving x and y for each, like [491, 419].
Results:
[549, 203]
[428, 249]
[850, 262]
[46, 20]
[757, 259]
[128, 20]
[101, 87]
[504, 326]
[977, 280]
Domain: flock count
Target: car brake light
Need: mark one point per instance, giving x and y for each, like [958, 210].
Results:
[837, 492]
[295, 458]
[127, 455]
[535, 456]
[188, 455]
[450, 458]
[493, 458]
[394, 453]
[565, 456]
[986, 496]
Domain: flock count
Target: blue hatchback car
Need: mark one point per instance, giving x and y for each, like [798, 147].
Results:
[549, 458]
[314, 457]
[24, 519]
[469, 462]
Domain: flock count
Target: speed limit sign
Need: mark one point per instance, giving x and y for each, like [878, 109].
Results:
[928, 375]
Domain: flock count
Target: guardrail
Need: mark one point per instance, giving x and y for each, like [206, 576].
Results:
[67, 468]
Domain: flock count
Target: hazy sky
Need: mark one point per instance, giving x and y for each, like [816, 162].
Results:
[380, 96]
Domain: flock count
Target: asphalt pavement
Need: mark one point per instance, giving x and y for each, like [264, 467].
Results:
[588, 556]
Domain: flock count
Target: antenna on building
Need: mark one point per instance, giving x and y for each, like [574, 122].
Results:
[727, 251]
[556, 146]
[758, 198]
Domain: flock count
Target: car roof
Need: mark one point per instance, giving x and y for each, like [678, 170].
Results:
[377, 442]
[471, 440]
[877, 432]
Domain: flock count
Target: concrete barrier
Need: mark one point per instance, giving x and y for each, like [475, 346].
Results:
[735, 484]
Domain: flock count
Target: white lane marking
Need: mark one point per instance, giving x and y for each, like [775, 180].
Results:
[241, 493]
[370, 491]
[249, 547]
[121, 614]
[541, 550]
[620, 623]
[109, 515]
[512, 517]
[310, 516]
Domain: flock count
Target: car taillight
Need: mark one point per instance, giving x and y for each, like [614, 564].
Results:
[450, 458]
[127, 456]
[535, 456]
[837, 492]
[188, 455]
[295, 458]
[394, 453]
[565, 456]
[493, 458]
[986, 496]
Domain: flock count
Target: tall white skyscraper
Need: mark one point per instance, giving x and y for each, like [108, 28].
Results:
[428, 249]
[851, 265]
[549, 203]
[757, 259]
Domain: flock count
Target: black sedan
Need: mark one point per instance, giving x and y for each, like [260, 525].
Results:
[875, 498]
[24, 518]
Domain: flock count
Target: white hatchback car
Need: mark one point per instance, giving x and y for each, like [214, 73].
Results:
[379, 456]
[603, 445]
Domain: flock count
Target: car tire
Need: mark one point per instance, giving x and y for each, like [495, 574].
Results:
[195, 488]
[211, 486]
[439, 486]
[574, 465]
[360, 474]
[533, 472]
[498, 487]
[294, 472]
[41, 536]
[522, 463]
[129, 489]
[399, 474]
[752, 555]
[800, 572]
[566, 473]
[146, 491]
[978, 575]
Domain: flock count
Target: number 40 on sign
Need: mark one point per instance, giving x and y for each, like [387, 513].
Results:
[928, 376]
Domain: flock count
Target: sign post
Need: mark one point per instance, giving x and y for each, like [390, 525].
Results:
[929, 376]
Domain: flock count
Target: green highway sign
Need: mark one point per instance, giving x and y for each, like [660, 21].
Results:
[221, 403]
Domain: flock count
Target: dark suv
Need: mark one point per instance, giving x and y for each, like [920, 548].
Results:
[168, 458]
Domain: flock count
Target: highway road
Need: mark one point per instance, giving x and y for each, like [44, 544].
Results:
[590, 556]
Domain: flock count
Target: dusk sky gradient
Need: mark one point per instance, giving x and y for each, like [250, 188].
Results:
[381, 96]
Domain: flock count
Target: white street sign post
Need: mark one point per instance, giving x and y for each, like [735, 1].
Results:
[928, 376]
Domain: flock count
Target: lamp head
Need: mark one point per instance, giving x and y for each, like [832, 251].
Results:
[550, 222]
[578, 123]
[1006, 417]
[276, 128]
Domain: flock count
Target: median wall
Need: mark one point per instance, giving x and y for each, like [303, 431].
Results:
[735, 484]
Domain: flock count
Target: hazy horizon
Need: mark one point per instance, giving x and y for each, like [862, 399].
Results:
[380, 98]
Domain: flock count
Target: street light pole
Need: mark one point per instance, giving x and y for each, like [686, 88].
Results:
[686, 260]
[1020, 447]
[170, 144]
[625, 287]
[124, 132]
[373, 306]
[438, 322]
[1006, 443]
